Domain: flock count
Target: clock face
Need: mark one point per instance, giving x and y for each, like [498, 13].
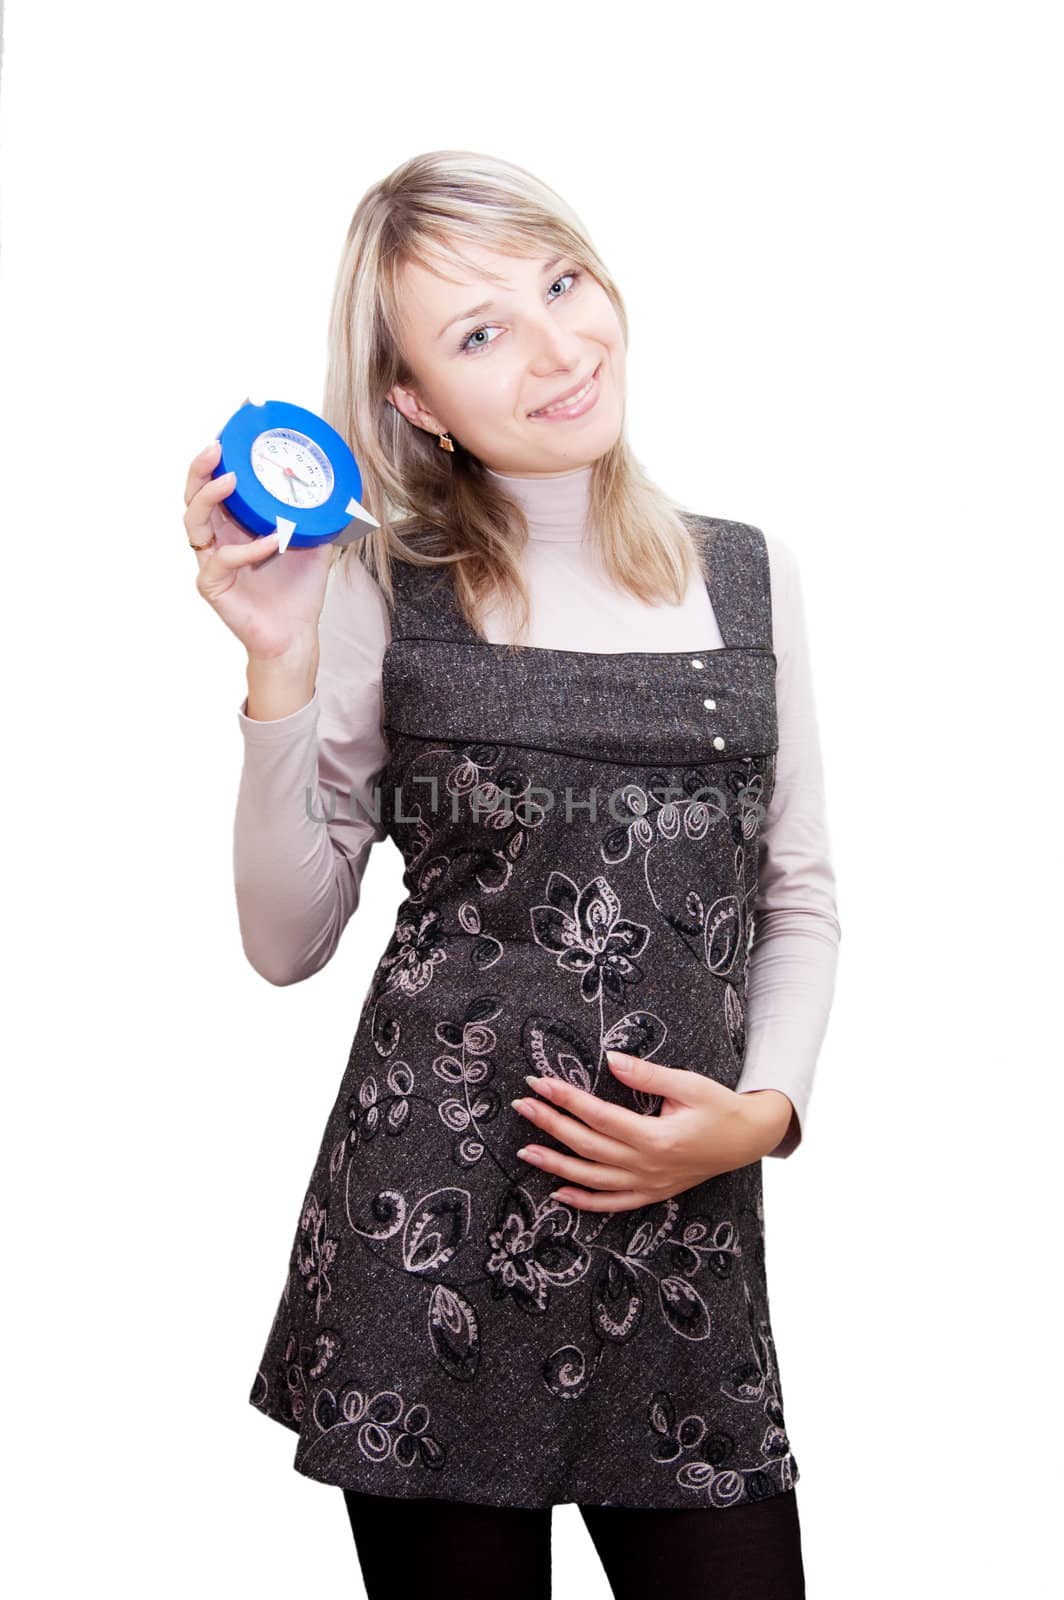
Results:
[292, 467]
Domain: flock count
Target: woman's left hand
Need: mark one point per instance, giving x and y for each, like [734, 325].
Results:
[631, 1159]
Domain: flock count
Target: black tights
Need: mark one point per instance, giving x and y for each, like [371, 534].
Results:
[455, 1550]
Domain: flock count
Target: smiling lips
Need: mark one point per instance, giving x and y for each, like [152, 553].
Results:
[574, 403]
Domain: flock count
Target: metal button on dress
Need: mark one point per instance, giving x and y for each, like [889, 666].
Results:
[718, 743]
[697, 663]
[710, 705]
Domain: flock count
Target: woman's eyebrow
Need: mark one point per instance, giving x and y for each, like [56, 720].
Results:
[486, 305]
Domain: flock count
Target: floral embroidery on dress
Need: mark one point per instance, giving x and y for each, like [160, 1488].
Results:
[592, 939]
[709, 1457]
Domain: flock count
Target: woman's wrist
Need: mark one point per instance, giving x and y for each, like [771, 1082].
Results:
[279, 685]
[771, 1112]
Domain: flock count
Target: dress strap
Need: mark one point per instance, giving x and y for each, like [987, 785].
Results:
[739, 581]
[425, 605]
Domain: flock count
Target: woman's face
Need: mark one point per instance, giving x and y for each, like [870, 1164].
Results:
[481, 371]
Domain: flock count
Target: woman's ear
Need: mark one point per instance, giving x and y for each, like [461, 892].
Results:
[408, 405]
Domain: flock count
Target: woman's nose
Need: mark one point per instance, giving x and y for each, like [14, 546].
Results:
[553, 348]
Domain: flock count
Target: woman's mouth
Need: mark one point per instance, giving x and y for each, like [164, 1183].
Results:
[576, 405]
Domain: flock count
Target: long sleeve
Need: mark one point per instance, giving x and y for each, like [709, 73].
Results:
[793, 961]
[306, 812]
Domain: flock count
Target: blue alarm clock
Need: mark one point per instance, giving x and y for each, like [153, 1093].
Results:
[295, 475]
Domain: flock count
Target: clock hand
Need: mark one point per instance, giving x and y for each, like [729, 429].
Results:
[289, 472]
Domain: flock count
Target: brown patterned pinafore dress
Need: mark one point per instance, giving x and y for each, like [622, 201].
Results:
[580, 834]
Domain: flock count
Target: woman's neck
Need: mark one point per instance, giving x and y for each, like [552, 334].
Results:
[556, 508]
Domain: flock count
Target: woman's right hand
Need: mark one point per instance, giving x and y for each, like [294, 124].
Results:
[272, 607]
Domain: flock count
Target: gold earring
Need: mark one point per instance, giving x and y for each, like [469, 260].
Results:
[446, 442]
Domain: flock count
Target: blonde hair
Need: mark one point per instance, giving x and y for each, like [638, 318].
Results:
[435, 507]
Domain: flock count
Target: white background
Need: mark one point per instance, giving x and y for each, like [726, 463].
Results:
[834, 226]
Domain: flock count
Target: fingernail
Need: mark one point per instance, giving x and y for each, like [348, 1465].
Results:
[531, 1078]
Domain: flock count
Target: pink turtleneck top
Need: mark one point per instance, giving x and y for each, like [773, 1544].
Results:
[297, 879]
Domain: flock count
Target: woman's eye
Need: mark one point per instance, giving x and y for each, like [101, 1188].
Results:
[473, 342]
[573, 275]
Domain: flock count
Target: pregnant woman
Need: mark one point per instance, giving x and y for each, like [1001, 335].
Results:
[529, 1267]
